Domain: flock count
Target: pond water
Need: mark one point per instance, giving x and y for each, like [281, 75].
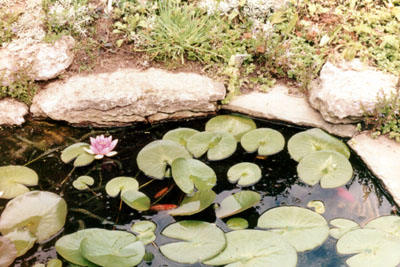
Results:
[38, 144]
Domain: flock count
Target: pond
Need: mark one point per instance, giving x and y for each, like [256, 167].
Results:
[38, 145]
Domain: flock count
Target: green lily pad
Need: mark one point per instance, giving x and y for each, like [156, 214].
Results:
[136, 200]
[68, 246]
[22, 239]
[141, 227]
[188, 173]
[255, 248]
[245, 173]
[145, 230]
[329, 167]
[234, 125]
[77, 153]
[389, 224]
[154, 158]
[342, 226]
[304, 143]
[42, 213]
[112, 248]
[13, 180]
[237, 203]
[264, 140]
[54, 263]
[201, 241]
[372, 247]
[217, 145]
[83, 182]
[121, 185]
[237, 223]
[319, 206]
[194, 204]
[303, 228]
[180, 135]
[8, 252]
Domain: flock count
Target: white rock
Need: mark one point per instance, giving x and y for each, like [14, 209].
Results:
[38, 60]
[341, 92]
[12, 112]
[381, 155]
[126, 96]
[278, 104]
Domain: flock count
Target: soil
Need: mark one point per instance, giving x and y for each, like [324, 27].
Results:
[99, 54]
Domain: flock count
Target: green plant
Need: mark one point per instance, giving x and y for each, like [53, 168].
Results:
[7, 32]
[384, 118]
[22, 87]
[68, 16]
[179, 31]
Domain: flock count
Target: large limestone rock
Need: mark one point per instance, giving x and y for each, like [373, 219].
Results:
[126, 96]
[279, 104]
[341, 92]
[382, 156]
[37, 60]
[12, 112]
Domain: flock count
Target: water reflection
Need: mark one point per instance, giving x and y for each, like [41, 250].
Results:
[360, 200]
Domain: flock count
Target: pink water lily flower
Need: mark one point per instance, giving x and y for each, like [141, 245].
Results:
[102, 146]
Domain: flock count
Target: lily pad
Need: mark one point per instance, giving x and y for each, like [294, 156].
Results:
[303, 228]
[194, 204]
[304, 143]
[112, 248]
[237, 203]
[255, 248]
[234, 125]
[372, 247]
[54, 263]
[180, 135]
[237, 223]
[83, 182]
[217, 145]
[264, 140]
[342, 226]
[68, 246]
[141, 227]
[245, 173]
[188, 173]
[13, 180]
[329, 167]
[389, 224]
[42, 213]
[318, 206]
[121, 185]
[201, 241]
[154, 158]
[8, 252]
[77, 153]
[22, 239]
[136, 200]
[145, 230]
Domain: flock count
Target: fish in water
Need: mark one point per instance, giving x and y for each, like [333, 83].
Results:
[343, 193]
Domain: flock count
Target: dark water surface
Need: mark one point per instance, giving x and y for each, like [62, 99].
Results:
[88, 209]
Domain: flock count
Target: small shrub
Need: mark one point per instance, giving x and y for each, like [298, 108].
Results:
[68, 16]
[7, 31]
[385, 117]
[22, 88]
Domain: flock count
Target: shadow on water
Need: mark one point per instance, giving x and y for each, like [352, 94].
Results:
[364, 199]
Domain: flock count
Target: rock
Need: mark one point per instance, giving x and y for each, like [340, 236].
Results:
[12, 112]
[278, 104]
[37, 60]
[381, 155]
[341, 92]
[126, 96]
